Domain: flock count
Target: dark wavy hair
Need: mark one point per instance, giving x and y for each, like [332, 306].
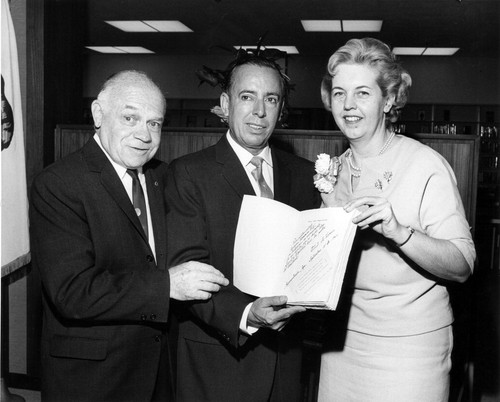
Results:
[392, 78]
[246, 57]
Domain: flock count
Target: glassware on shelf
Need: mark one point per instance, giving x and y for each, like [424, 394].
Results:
[445, 129]
[489, 141]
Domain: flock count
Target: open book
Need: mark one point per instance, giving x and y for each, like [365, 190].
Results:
[301, 254]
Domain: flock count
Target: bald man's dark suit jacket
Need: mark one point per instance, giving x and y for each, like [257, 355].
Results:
[105, 299]
[215, 362]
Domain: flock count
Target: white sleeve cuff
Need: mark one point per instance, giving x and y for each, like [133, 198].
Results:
[249, 330]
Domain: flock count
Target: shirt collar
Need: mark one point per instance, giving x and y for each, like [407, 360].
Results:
[120, 170]
[244, 156]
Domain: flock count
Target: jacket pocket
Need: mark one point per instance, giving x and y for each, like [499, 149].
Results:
[78, 348]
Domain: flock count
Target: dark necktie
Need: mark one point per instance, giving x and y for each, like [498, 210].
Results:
[265, 191]
[138, 200]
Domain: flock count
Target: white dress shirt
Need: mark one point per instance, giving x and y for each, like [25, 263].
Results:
[245, 157]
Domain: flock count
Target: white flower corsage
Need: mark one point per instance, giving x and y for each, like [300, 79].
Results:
[327, 170]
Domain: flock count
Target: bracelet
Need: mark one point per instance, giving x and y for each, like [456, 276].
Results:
[411, 230]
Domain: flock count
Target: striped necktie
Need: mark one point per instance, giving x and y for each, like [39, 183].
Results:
[265, 191]
[138, 200]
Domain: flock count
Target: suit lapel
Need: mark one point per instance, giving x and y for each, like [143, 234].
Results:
[232, 170]
[158, 214]
[99, 163]
[236, 176]
[282, 178]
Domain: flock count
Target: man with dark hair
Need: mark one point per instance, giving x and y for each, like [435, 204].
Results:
[99, 243]
[231, 347]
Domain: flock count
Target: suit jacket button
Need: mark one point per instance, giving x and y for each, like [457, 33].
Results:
[150, 258]
[157, 338]
[144, 317]
[152, 317]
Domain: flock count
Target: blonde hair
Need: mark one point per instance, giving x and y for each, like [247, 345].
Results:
[392, 78]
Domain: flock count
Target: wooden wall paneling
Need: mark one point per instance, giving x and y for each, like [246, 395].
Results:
[176, 144]
[309, 146]
[68, 139]
[462, 153]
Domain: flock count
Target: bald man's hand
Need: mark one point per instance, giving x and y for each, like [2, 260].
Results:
[195, 280]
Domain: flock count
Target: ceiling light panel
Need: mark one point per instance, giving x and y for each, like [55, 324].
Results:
[134, 49]
[408, 51]
[150, 26]
[168, 26]
[422, 51]
[361, 25]
[440, 51]
[322, 25]
[131, 26]
[119, 49]
[105, 49]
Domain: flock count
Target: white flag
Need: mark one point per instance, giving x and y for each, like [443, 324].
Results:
[14, 201]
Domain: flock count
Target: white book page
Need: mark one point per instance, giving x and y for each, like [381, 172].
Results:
[267, 226]
[314, 270]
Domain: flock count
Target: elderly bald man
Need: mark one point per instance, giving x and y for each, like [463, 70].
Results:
[99, 234]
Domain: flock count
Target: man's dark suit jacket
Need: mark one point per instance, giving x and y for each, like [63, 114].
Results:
[105, 298]
[215, 362]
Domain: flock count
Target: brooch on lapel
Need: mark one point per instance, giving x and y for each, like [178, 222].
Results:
[387, 177]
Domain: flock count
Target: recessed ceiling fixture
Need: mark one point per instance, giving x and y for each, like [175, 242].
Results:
[361, 25]
[342, 25]
[322, 25]
[408, 51]
[120, 49]
[150, 26]
[423, 51]
[440, 51]
[287, 49]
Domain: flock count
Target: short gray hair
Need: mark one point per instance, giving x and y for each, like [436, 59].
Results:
[125, 78]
